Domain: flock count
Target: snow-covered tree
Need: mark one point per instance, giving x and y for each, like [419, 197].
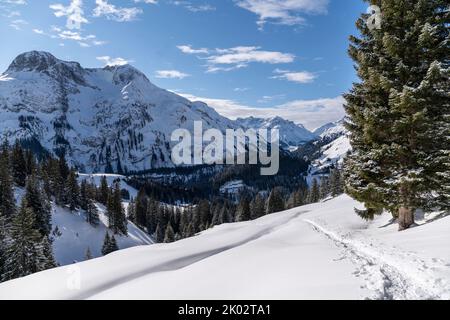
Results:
[398, 114]
[25, 252]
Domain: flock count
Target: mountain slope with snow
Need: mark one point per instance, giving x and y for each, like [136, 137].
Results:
[110, 119]
[318, 251]
[72, 235]
[291, 134]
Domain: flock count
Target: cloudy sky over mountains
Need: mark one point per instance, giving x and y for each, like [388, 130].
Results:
[243, 57]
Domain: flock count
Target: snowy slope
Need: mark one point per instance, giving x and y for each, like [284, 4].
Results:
[291, 134]
[328, 150]
[332, 153]
[113, 115]
[77, 235]
[319, 251]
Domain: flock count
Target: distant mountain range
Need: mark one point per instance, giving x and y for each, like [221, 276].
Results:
[110, 119]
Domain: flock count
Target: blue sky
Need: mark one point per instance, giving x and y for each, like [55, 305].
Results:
[243, 57]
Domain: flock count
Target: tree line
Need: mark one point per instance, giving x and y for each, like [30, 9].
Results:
[168, 223]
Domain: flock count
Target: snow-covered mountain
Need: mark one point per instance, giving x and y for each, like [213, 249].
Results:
[318, 251]
[331, 130]
[109, 118]
[291, 134]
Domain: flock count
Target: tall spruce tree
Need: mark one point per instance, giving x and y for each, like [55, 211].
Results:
[275, 202]
[257, 207]
[116, 212]
[25, 253]
[73, 191]
[37, 202]
[106, 244]
[314, 192]
[398, 114]
[243, 210]
[141, 208]
[48, 259]
[169, 234]
[103, 191]
[7, 202]
[19, 165]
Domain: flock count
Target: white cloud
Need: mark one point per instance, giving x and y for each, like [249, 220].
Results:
[74, 13]
[237, 57]
[18, 24]
[286, 12]
[14, 2]
[240, 57]
[267, 99]
[240, 89]
[75, 36]
[194, 7]
[147, 1]
[83, 40]
[112, 12]
[189, 50]
[311, 113]
[38, 31]
[109, 61]
[171, 74]
[298, 77]
[12, 14]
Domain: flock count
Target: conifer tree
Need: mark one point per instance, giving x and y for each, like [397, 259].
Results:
[106, 244]
[398, 114]
[152, 214]
[169, 234]
[83, 195]
[103, 191]
[113, 245]
[116, 210]
[141, 208]
[243, 210]
[73, 191]
[48, 259]
[39, 205]
[324, 189]
[25, 253]
[314, 192]
[7, 202]
[61, 174]
[88, 254]
[257, 207]
[336, 183]
[131, 211]
[30, 162]
[275, 202]
[92, 216]
[160, 233]
[19, 166]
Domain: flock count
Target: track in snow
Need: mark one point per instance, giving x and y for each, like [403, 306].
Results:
[387, 279]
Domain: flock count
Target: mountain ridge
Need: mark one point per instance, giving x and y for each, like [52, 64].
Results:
[110, 119]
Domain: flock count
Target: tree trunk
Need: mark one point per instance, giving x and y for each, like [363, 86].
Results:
[405, 218]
